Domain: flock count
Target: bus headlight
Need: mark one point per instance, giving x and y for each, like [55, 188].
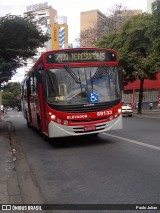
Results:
[53, 117]
[119, 111]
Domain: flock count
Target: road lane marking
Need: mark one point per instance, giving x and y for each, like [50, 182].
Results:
[133, 141]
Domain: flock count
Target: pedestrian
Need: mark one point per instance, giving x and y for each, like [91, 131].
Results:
[151, 106]
[2, 108]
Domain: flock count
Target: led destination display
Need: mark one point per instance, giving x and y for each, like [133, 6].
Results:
[80, 56]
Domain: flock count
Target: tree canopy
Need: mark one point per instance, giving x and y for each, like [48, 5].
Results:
[19, 40]
[136, 44]
[113, 21]
[11, 95]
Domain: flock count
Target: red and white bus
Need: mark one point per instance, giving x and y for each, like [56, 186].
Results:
[71, 92]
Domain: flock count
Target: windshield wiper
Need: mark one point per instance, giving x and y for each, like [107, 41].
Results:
[72, 74]
[97, 72]
[77, 80]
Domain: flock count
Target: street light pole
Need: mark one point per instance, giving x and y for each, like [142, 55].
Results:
[0, 100]
[1, 85]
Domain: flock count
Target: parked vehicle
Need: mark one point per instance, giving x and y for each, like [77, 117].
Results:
[127, 109]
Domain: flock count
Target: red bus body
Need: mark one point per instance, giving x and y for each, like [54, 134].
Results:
[79, 79]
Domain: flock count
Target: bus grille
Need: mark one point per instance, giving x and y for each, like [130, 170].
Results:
[83, 108]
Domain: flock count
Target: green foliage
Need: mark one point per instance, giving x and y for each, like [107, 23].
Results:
[155, 33]
[19, 39]
[138, 46]
[8, 99]
[110, 41]
[11, 95]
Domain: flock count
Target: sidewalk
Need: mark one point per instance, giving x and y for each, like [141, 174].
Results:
[17, 184]
[148, 114]
[9, 189]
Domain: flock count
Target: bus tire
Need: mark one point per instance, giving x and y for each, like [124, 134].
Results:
[45, 137]
[28, 124]
[39, 123]
[94, 134]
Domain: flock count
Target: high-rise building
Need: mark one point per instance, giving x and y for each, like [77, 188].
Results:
[50, 23]
[47, 14]
[59, 33]
[90, 18]
[149, 6]
[90, 23]
[96, 24]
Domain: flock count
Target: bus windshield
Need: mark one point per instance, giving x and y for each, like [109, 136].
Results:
[74, 85]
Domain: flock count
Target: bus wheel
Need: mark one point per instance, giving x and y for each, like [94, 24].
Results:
[45, 138]
[39, 123]
[95, 134]
[28, 124]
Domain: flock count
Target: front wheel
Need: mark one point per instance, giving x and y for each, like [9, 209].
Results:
[95, 134]
[28, 124]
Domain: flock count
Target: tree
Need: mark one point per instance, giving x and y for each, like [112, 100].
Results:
[136, 50]
[19, 40]
[113, 21]
[155, 33]
[11, 94]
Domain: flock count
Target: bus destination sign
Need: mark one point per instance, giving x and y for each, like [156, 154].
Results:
[80, 56]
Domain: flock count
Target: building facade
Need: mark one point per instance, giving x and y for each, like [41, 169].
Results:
[94, 24]
[59, 33]
[90, 18]
[151, 92]
[47, 14]
[50, 23]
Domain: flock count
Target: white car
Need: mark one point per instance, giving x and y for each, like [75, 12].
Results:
[127, 109]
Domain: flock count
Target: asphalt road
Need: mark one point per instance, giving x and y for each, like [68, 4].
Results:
[118, 167]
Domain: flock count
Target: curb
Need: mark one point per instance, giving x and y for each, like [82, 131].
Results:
[27, 189]
[148, 115]
[9, 188]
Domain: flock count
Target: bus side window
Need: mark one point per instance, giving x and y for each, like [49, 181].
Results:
[33, 85]
[22, 91]
[25, 90]
[28, 87]
[38, 75]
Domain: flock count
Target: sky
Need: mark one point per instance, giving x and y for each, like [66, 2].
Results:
[69, 8]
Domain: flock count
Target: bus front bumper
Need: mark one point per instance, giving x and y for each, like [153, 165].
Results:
[57, 130]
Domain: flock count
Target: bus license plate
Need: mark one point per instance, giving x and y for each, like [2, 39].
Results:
[89, 128]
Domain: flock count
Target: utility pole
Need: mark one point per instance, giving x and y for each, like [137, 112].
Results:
[1, 87]
[0, 100]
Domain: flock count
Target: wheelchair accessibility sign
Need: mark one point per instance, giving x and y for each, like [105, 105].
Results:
[93, 97]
